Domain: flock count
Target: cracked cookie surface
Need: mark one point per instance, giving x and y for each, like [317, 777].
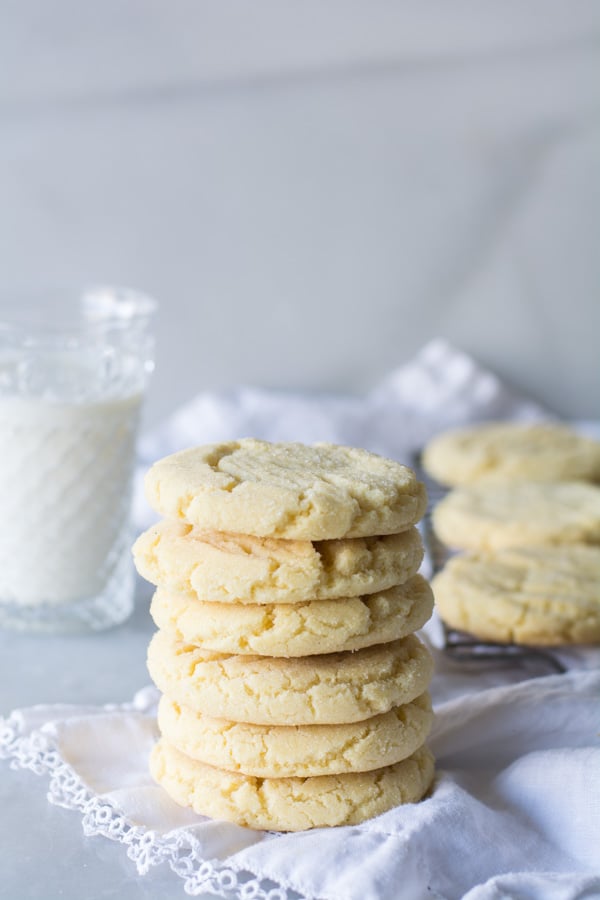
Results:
[505, 451]
[512, 514]
[299, 629]
[290, 804]
[529, 595]
[277, 751]
[286, 490]
[237, 568]
[334, 688]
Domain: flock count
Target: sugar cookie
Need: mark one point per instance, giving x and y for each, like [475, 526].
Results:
[513, 514]
[505, 451]
[529, 595]
[244, 569]
[335, 688]
[290, 491]
[281, 751]
[299, 629]
[290, 804]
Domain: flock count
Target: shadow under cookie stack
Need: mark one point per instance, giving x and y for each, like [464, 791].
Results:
[294, 689]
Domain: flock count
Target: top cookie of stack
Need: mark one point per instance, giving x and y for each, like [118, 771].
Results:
[291, 491]
[273, 563]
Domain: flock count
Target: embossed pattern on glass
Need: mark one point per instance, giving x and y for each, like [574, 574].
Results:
[72, 377]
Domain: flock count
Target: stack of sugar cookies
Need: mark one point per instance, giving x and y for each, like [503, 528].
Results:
[294, 690]
[526, 508]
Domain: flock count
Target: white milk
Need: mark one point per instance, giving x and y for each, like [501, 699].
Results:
[65, 477]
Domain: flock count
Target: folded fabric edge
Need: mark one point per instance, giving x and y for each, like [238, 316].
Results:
[37, 752]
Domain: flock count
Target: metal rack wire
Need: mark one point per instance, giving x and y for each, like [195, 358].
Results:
[458, 645]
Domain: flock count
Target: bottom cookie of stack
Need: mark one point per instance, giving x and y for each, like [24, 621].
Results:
[290, 804]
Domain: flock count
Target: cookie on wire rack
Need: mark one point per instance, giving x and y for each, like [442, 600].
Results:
[511, 451]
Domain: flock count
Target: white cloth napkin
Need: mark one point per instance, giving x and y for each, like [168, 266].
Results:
[515, 810]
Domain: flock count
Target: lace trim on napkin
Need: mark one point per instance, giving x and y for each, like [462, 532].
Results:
[37, 752]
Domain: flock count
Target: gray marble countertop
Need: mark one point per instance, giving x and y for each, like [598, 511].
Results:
[44, 851]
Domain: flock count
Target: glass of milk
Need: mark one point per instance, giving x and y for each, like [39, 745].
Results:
[72, 376]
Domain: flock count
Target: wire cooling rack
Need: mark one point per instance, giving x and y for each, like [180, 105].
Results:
[458, 645]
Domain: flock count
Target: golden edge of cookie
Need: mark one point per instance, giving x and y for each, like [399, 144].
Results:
[235, 568]
[301, 751]
[290, 804]
[303, 629]
[331, 689]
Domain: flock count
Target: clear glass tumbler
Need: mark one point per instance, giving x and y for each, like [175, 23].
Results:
[72, 376]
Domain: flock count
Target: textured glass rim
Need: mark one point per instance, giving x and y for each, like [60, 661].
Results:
[28, 319]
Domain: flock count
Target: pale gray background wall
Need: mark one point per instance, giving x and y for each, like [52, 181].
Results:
[314, 189]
